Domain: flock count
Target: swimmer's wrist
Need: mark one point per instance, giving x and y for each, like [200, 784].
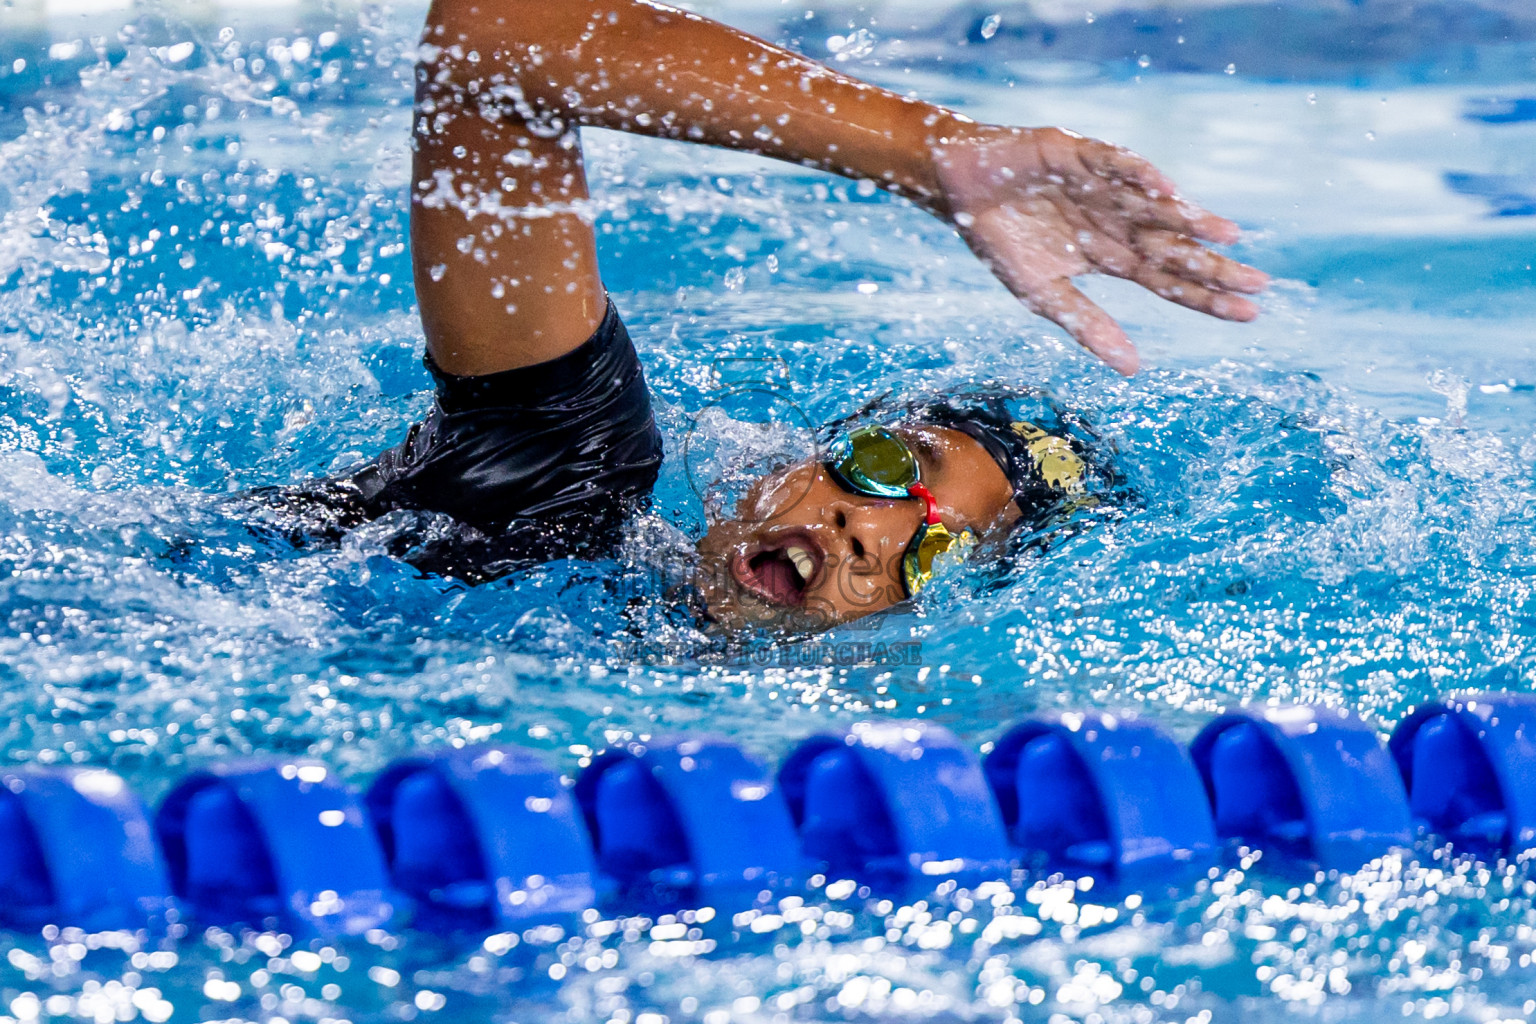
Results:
[905, 160]
[948, 131]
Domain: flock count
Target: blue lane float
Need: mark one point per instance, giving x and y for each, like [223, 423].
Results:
[1470, 767]
[1103, 795]
[1307, 781]
[284, 842]
[482, 837]
[688, 816]
[493, 837]
[894, 802]
[76, 846]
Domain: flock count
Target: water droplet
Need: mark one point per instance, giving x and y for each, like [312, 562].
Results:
[1089, 17]
[990, 25]
[1370, 136]
[1144, 61]
[852, 46]
[1312, 99]
[1231, 69]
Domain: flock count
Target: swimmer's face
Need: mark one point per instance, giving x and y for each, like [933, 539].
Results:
[803, 553]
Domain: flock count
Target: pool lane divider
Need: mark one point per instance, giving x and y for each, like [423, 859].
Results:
[1310, 782]
[1470, 767]
[891, 801]
[76, 846]
[489, 837]
[482, 837]
[692, 819]
[258, 840]
[1103, 795]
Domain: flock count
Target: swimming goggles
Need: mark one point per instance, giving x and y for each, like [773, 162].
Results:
[875, 462]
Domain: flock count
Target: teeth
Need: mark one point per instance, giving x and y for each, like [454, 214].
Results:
[804, 563]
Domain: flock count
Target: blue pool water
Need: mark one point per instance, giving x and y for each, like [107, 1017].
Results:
[204, 287]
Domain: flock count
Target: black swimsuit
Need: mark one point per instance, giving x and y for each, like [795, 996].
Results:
[540, 462]
[572, 437]
[547, 461]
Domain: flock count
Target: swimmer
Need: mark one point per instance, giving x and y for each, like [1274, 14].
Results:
[541, 440]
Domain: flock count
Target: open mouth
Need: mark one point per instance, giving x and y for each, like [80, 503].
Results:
[781, 572]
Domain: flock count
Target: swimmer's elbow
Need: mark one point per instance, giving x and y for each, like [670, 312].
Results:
[474, 30]
[483, 47]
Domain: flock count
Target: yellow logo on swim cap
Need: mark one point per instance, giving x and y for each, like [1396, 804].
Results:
[1055, 461]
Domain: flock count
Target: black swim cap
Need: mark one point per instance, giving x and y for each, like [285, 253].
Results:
[1055, 463]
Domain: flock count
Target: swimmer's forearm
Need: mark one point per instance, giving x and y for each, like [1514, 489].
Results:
[642, 67]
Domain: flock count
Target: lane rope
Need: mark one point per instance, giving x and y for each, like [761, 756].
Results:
[489, 837]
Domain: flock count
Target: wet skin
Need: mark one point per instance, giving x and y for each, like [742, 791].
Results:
[849, 546]
[506, 268]
[501, 230]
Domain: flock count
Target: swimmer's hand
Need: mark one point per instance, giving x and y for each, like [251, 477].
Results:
[1041, 205]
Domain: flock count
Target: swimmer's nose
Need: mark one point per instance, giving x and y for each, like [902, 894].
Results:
[860, 532]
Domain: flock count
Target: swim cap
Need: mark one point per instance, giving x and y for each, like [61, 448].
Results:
[1053, 460]
[1049, 457]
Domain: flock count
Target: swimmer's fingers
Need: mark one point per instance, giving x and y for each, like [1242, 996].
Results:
[1174, 267]
[1103, 175]
[1179, 268]
[1139, 211]
[1118, 165]
[1059, 301]
[1025, 246]
[1215, 302]
[1182, 257]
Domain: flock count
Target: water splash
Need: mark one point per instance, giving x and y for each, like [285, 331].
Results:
[197, 297]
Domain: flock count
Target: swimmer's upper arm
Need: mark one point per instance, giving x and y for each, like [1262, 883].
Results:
[504, 257]
[506, 270]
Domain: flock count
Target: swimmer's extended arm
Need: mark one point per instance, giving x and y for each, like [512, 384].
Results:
[504, 256]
